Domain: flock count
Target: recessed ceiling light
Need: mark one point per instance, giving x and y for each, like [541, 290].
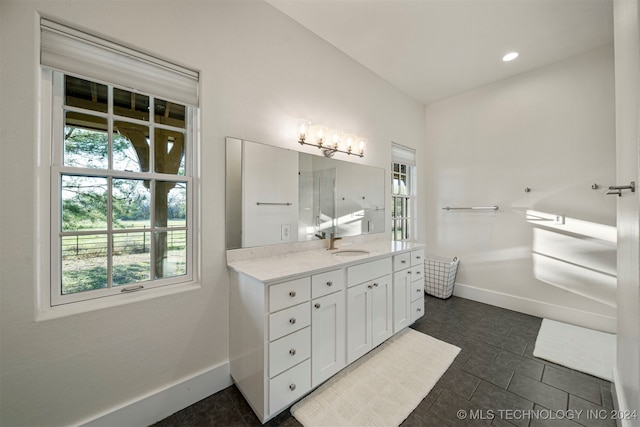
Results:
[510, 56]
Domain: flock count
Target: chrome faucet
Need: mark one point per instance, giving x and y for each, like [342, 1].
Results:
[332, 242]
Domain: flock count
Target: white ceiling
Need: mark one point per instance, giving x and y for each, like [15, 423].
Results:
[433, 49]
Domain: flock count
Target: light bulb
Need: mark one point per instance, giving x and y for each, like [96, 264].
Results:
[321, 134]
[510, 56]
[336, 136]
[303, 129]
[361, 145]
[349, 139]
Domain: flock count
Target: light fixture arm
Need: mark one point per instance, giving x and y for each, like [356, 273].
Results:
[327, 150]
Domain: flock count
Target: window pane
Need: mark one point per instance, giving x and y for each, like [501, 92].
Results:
[84, 263]
[169, 152]
[397, 230]
[403, 185]
[169, 113]
[130, 147]
[86, 141]
[131, 258]
[171, 253]
[84, 203]
[171, 204]
[130, 104]
[396, 184]
[131, 203]
[85, 94]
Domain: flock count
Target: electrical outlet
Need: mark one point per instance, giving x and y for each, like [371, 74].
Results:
[559, 219]
[285, 232]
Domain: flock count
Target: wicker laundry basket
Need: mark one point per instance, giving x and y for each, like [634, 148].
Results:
[439, 276]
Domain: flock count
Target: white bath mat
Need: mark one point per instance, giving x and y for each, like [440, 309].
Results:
[382, 387]
[582, 349]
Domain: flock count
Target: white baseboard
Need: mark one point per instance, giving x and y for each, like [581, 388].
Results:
[537, 308]
[159, 404]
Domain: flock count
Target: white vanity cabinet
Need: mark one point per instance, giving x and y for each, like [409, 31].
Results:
[327, 326]
[296, 320]
[285, 338]
[369, 306]
[408, 288]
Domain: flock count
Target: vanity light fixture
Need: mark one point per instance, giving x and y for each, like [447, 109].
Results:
[330, 142]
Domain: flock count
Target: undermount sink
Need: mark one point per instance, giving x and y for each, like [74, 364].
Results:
[351, 252]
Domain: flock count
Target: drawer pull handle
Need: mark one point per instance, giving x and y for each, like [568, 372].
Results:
[375, 284]
[419, 310]
[418, 257]
[418, 290]
[292, 294]
[292, 352]
[409, 272]
[329, 283]
[317, 305]
[292, 320]
[403, 262]
[370, 286]
[292, 387]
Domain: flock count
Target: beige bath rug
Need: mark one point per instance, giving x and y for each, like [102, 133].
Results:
[383, 387]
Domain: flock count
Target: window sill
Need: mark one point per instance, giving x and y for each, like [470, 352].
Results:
[64, 310]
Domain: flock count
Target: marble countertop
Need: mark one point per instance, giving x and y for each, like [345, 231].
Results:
[289, 266]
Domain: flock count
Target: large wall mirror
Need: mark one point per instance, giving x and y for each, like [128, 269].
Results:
[275, 195]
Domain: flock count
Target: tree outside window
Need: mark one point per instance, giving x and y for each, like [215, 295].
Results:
[124, 189]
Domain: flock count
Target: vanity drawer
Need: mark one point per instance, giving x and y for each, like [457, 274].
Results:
[289, 351]
[417, 257]
[401, 261]
[288, 294]
[417, 273]
[368, 271]
[326, 283]
[417, 309]
[417, 290]
[289, 386]
[290, 320]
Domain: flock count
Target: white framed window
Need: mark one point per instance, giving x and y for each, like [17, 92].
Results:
[402, 192]
[122, 168]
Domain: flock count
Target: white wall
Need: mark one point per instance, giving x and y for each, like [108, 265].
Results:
[552, 130]
[260, 73]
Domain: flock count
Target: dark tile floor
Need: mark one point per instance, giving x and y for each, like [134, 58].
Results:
[495, 380]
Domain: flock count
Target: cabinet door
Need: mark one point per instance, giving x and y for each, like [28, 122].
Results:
[401, 299]
[358, 321]
[327, 337]
[382, 310]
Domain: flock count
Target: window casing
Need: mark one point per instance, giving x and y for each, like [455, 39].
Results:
[117, 176]
[403, 190]
[121, 190]
[401, 202]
